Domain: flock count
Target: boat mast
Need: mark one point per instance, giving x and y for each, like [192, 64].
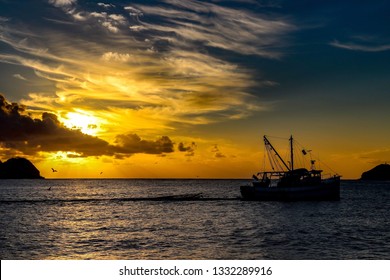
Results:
[267, 142]
[292, 152]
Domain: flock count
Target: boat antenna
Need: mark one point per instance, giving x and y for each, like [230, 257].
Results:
[268, 143]
[292, 152]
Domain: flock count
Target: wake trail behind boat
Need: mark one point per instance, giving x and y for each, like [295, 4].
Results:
[185, 197]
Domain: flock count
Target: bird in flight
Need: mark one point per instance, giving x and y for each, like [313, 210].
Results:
[52, 169]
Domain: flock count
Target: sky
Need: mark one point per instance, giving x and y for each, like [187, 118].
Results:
[187, 89]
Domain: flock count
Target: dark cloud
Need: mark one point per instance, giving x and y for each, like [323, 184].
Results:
[20, 132]
[219, 155]
[132, 143]
[217, 152]
[189, 150]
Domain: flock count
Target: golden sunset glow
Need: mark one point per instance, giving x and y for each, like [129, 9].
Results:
[83, 121]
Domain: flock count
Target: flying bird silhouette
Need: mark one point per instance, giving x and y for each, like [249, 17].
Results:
[52, 169]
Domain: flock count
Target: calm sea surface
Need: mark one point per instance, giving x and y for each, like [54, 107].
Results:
[120, 219]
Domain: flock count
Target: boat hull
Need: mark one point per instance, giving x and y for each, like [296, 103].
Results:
[325, 191]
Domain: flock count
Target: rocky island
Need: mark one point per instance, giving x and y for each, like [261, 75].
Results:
[18, 168]
[379, 173]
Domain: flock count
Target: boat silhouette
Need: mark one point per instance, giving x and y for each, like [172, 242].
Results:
[288, 183]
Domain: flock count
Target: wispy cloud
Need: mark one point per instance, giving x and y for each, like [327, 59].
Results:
[20, 77]
[114, 56]
[190, 23]
[62, 3]
[111, 22]
[106, 6]
[364, 44]
[378, 156]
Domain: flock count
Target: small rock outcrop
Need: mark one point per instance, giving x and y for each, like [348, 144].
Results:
[18, 168]
[379, 173]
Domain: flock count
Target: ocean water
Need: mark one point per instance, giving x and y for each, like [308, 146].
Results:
[122, 219]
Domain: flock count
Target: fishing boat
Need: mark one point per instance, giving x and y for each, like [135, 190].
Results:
[284, 182]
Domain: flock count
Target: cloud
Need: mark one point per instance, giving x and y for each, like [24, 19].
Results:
[20, 132]
[111, 22]
[199, 23]
[178, 86]
[217, 152]
[189, 150]
[132, 143]
[360, 47]
[114, 56]
[62, 3]
[106, 6]
[219, 155]
[133, 11]
[160, 76]
[378, 156]
[20, 77]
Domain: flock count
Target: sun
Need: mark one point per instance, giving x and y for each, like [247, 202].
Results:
[82, 120]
